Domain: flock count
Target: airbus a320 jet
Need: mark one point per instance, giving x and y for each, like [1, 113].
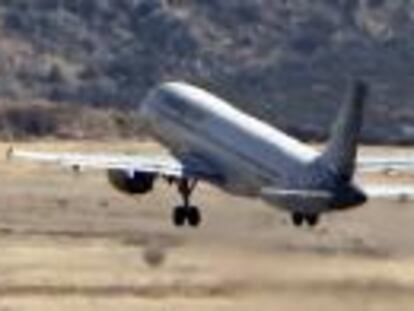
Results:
[211, 141]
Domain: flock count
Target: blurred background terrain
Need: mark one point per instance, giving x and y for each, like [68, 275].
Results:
[74, 68]
[71, 242]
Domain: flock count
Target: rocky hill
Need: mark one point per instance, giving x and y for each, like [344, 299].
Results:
[285, 61]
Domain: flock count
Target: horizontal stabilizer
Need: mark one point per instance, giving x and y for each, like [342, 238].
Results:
[292, 193]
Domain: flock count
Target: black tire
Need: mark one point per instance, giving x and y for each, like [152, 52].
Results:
[193, 216]
[312, 220]
[297, 219]
[179, 216]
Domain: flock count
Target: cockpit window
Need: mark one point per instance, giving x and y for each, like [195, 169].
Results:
[174, 103]
[181, 108]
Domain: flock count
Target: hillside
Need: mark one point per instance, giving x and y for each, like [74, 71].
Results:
[286, 61]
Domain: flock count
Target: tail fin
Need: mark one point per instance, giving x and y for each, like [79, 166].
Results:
[341, 150]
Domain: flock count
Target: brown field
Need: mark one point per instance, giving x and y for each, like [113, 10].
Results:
[70, 242]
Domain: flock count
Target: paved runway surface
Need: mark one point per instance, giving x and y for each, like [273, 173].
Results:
[73, 242]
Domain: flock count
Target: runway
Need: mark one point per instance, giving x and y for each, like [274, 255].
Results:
[70, 241]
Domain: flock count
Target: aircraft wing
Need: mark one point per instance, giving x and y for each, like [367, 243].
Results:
[384, 164]
[162, 165]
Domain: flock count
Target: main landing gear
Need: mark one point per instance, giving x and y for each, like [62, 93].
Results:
[186, 213]
[299, 219]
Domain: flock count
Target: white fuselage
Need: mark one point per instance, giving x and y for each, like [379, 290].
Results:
[249, 153]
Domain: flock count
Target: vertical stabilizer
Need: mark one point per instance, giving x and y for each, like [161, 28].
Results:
[341, 150]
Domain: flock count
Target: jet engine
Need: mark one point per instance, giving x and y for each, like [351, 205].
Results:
[131, 182]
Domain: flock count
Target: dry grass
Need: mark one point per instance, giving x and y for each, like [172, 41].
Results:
[72, 242]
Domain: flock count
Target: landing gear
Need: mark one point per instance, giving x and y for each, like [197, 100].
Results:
[312, 220]
[179, 216]
[190, 215]
[186, 214]
[299, 219]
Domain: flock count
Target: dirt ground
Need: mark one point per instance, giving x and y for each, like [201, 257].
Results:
[71, 242]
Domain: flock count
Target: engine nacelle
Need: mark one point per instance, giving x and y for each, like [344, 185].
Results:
[131, 183]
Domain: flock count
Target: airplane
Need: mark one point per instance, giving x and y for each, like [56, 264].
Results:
[211, 141]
